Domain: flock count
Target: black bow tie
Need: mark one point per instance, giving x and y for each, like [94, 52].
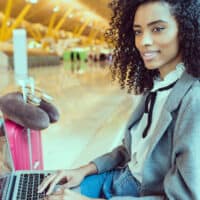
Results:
[149, 105]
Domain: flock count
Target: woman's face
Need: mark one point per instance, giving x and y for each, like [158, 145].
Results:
[156, 37]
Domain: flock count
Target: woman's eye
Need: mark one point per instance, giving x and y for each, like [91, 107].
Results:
[137, 32]
[158, 29]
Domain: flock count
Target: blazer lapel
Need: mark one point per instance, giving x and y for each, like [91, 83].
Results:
[172, 103]
[164, 121]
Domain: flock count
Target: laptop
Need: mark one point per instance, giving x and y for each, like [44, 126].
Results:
[20, 185]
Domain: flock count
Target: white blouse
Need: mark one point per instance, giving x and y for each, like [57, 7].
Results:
[140, 145]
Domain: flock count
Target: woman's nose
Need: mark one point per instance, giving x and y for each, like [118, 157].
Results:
[146, 39]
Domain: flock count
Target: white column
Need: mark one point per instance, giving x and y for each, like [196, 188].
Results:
[20, 54]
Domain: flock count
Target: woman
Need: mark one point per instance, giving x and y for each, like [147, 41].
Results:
[157, 54]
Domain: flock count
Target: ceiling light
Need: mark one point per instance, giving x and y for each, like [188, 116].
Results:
[32, 1]
[9, 23]
[56, 9]
[67, 1]
[70, 15]
[90, 24]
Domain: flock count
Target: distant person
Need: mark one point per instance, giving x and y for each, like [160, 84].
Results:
[72, 56]
[78, 59]
[102, 60]
[157, 55]
[72, 62]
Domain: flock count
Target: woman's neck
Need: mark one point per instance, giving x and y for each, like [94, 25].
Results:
[166, 69]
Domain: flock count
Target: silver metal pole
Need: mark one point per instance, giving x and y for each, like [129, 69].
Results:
[30, 148]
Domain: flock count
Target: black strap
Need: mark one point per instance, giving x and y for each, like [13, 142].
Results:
[149, 105]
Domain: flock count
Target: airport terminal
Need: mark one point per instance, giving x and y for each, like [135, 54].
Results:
[61, 46]
[99, 99]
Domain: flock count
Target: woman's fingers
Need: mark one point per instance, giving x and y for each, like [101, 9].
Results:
[45, 183]
[55, 197]
[56, 180]
[58, 195]
[66, 194]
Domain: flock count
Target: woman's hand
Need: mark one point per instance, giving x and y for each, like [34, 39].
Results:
[66, 194]
[68, 179]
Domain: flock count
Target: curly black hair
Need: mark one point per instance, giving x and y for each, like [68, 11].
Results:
[128, 66]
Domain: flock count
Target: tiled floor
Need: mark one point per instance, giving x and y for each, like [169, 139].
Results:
[93, 112]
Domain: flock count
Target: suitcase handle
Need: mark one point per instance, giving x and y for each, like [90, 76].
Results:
[23, 84]
[36, 164]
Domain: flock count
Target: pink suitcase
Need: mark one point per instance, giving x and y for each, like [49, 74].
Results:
[18, 141]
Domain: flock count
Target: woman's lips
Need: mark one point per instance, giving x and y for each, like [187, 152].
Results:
[148, 56]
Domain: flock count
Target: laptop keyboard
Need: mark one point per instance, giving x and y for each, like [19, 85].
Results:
[3, 185]
[28, 187]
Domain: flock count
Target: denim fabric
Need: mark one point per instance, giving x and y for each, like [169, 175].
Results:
[110, 184]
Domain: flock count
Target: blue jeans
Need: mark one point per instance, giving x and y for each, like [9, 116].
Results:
[109, 184]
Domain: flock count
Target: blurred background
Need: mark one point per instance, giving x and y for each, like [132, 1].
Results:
[69, 58]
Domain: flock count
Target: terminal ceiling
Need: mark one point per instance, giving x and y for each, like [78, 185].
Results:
[77, 17]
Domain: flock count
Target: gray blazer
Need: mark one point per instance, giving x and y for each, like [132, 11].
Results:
[172, 167]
